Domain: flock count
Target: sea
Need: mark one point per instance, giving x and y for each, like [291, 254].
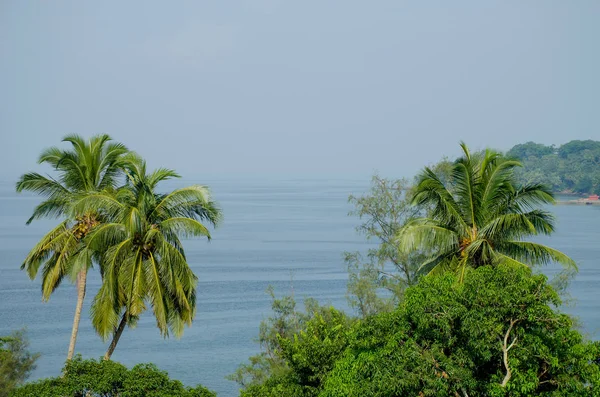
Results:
[286, 233]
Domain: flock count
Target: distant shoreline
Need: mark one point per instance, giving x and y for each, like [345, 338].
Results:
[577, 202]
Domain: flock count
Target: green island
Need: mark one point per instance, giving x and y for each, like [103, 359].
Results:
[571, 168]
[449, 302]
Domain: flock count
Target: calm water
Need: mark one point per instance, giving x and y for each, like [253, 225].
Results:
[273, 232]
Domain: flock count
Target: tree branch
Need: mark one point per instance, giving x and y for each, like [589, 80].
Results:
[389, 275]
[505, 348]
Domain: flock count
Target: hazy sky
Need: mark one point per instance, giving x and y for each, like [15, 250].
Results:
[297, 88]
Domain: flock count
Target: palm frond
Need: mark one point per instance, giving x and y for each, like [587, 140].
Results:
[37, 183]
[185, 227]
[424, 232]
[110, 165]
[160, 175]
[182, 199]
[51, 208]
[57, 266]
[96, 203]
[106, 235]
[180, 279]
[518, 225]
[534, 253]
[73, 175]
[498, 184]
[51, 156]
[431, 192]
[437, 265]
[44, 249]
[80, 260]
[513, 225]
[502, 259]
[529, 197]
[466, 184]
[105, 311]
[479, 252]
[157, 295]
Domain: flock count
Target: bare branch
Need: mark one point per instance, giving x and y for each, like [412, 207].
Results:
[505, 348]
[389, 274]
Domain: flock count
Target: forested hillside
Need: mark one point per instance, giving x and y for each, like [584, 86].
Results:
[571, 168]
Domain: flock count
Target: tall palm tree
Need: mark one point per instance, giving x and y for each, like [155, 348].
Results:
[481, 217]
[145, 261]
[88, 166]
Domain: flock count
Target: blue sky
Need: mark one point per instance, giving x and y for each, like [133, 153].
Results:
[269, 88]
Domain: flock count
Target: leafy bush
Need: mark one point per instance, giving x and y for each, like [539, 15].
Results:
[307, 357]
[110, 379]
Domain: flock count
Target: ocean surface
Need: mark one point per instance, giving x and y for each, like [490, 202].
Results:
[286, 233]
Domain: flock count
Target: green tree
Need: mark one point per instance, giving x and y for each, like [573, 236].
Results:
[110, 379]
[584, 184]
[89, 166]
[481, 218]
[16, 362]
[497, 334]
[285, 322]
[383, 210]
[577, 148]
[145, 261]
[309, 355]
[530, 149]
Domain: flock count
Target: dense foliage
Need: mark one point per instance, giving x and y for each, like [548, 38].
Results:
[110, 379]
[479, 217]
[286, 321]
[307, 357]
[16, 362]
[272, 370]
[497, 334]
[572, 167]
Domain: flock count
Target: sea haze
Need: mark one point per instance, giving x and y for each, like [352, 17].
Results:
[287, 233]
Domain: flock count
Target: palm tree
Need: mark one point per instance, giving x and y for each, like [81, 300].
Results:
[481, 217]
[89, 166]
[145, 261]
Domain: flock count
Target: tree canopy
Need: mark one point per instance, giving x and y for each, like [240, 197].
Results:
[305, 357]
[110, 379]
[497, 334]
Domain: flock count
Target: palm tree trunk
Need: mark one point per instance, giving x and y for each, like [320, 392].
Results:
[81, 281]
[116, 336]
